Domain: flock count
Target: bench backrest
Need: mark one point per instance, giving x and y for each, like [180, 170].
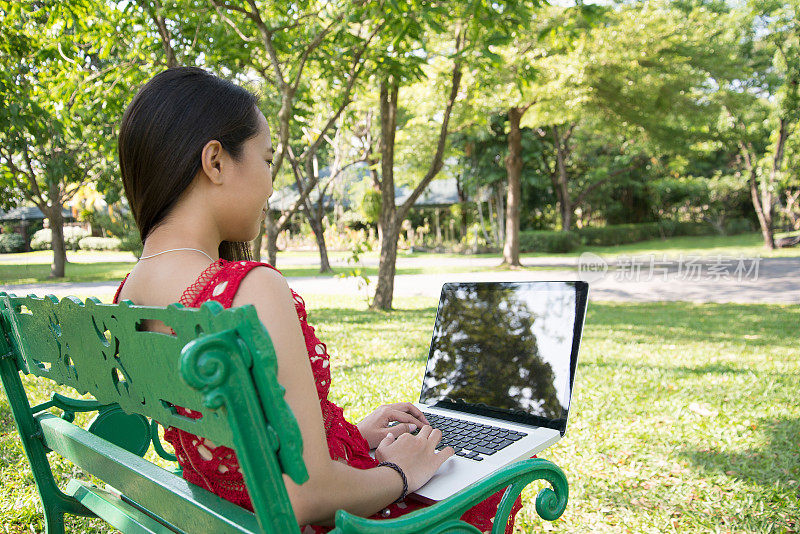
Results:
[220, 363]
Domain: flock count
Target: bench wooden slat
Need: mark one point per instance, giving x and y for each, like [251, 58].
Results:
[115, 511]
[165, 494]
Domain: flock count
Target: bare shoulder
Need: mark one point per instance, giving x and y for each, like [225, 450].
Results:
[262, 285]
[162, 283]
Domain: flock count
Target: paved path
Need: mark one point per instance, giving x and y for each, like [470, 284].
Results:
[769, 280]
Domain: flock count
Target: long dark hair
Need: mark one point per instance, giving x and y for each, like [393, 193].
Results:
[162, 136]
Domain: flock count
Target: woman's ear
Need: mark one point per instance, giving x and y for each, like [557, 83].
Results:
[211, 159]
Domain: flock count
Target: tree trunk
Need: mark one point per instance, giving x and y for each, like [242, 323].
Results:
[387, 268]
[501, 218]
[462, 199]
[56, 220]
[762, 205]
[389, 229]
[564, 201]
[257, 243]
[319, 235]
[764, 212]
[791, 200]
[514, 170]
[438, 225]
[482, 220]
[391, 216]
[272, 239]
[492, 219]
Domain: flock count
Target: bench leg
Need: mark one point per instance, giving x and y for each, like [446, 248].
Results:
[54, 501]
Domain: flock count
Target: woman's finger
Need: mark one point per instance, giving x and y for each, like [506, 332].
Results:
[413, 410]
[387, 440]
[443, 455]
[425, 432]
[404, 417]
[407, 427]
[434, 438]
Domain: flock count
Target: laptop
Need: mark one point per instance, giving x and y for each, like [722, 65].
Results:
[499, 376]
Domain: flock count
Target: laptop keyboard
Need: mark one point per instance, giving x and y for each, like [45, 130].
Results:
[472, 440]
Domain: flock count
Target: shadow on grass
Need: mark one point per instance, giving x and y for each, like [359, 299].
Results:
[777, 463]
[685, 370]
[379, 362]
[360, 317]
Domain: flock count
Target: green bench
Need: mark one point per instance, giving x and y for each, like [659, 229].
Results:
[220, 363]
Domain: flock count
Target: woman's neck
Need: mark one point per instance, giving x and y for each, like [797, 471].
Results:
[182, 232]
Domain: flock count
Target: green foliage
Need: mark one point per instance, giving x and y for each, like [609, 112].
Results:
[11, 242]
[370, 205]
[121, 226]
[67, 69]
[548, 241]
[355, 269]
[738, 226]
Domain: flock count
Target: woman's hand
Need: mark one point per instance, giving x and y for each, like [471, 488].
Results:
[375, 426]
[416, 455]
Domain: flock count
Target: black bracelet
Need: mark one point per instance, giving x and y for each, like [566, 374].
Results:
[402, 475]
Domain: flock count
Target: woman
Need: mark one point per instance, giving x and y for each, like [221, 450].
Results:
[196, 161]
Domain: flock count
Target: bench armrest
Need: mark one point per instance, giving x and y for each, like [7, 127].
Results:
[550, 503]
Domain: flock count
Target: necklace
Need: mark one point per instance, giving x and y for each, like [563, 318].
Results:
[175, 250]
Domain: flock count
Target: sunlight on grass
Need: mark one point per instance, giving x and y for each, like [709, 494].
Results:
[33, 273]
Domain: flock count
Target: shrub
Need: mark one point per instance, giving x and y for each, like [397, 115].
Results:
[11, 243]
[133, 243]
[43, 239]
[618, 234]
[547, 241]
[738, 226]
[100, 243]
[686, 228]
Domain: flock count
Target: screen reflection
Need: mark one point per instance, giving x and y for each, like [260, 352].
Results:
[503, 346]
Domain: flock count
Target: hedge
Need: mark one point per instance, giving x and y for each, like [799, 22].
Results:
[547, 241]
[99, 243]
[619, 234]
[11, 243]
[43, 239]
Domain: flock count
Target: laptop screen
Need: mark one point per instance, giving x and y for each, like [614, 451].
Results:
[506, 350]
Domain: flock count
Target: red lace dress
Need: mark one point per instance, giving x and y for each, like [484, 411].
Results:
[216, 468]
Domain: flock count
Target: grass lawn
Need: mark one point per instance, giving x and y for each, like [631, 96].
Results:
[685, 417]
[33, 273]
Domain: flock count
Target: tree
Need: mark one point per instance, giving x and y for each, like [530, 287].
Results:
[462, 35]
[63, 85]
[297, 49]
[761, 101]
[510, 75]
[636, 75]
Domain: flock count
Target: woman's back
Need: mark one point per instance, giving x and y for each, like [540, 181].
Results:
[162, 282]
